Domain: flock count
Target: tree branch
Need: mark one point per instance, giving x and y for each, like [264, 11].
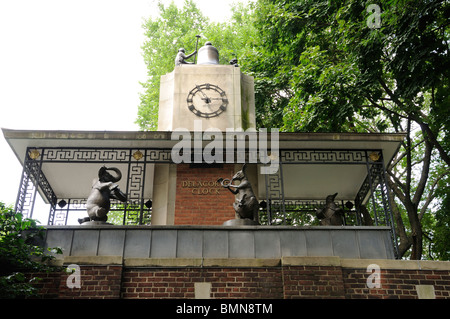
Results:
[432, 194]
[432, 138]
[394, 186]
[397, 182]
[424, 126]
[390, 93]
[402, 155]
[408, 160]
[383, 108]
[405, 241]
[424, 175]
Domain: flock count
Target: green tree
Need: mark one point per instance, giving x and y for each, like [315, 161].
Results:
[328, 67]
[20, 255]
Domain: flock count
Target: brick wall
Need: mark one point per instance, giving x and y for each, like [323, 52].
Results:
[198, 195]
[230, 283]
[396, 283]
[313, 282]
[49, 284]
[288, 278]
[96, 282]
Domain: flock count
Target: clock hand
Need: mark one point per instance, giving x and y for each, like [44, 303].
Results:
[206, 98]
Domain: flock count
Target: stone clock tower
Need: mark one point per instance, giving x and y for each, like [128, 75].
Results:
[221, 96]
[218, 97]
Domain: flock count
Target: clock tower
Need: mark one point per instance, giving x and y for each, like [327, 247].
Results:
[221, 96]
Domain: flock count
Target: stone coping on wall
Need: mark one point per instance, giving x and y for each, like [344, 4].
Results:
[252, 242]
[210, 227]
[254, 262]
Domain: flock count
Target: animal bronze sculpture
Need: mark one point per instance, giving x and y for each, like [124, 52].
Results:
[246, 205]
[234, 62]
[103, 190]
[181, 57]
[331, 214]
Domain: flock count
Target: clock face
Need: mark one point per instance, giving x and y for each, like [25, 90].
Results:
[207, 100]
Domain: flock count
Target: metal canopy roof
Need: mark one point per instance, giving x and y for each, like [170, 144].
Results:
[73, 180]
[19, 140]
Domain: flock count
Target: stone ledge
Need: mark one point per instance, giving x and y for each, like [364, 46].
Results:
[201, 262]
[162, 262]
[93, 260]
[363, 263]
[434, 265]
[257, 262]
[212, 227]
[311, 261]
[242, 262]
[397, 264]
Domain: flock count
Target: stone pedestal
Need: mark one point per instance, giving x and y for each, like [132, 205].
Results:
[96, 223]
[240, 222]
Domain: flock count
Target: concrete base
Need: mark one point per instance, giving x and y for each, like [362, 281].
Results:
[240, 222]
[96, 223]
[357, 242]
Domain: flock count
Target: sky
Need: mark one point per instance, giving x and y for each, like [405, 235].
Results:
[73, 65]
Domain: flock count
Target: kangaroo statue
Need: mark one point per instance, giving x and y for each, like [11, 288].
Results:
[330, 215]
[246, 205]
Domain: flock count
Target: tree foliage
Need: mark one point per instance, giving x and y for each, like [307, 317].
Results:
[19, 254]
[440, 237]
[333, 69]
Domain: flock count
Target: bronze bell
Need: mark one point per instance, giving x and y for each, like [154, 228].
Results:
[208, 54]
